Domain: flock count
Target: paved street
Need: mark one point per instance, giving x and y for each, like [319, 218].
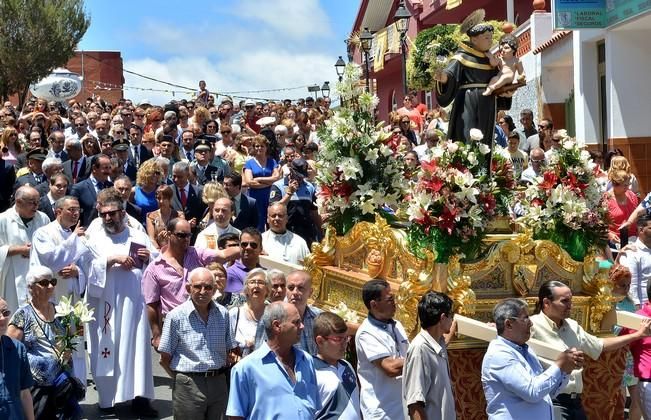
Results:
[162, 403]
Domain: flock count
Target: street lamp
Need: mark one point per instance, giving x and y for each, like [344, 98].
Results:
[325, 89]
[339, 67]
[366, 40]
[401, 18]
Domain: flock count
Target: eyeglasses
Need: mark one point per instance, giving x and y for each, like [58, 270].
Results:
[226, 132]
[183, 235]
[257, 282]
[109, 213]
[252, 245]
[47, 282]
[200, 287]
[537, 160]
[5, 313]
[71, 209]
[525, 319]
[338, 339]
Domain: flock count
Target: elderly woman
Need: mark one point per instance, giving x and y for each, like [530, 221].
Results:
[36, 326]
[226, 299]
[259, 174]
[157, 220]
[244, 319]
[147, 180]
[16, 379]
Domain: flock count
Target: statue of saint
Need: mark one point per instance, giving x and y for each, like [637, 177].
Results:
[466, 78]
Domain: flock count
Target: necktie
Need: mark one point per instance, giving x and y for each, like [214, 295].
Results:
[189, 155]
[75, 168]
[184, 197]
[136, 156]
[57, 155]
[100, 185]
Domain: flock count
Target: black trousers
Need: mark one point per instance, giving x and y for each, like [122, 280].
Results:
[568, 408]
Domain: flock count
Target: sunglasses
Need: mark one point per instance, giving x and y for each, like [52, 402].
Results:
[252, 245]
[226, 132]
[183, 235]
[46, 282]
[110, 213]
[5, 313]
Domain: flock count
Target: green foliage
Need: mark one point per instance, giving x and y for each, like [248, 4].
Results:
[35, 37]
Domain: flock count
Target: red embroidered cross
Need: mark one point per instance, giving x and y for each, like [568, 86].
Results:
[106, 352]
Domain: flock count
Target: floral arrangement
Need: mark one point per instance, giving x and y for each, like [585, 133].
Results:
[73, 317]
[432, 50]
[345, 313]
[455, 197]
[565, 205]
[357, 173]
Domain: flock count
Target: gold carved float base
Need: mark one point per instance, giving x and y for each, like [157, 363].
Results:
[511, 266]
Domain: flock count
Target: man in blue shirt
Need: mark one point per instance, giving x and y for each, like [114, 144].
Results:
[277, 380]
[515, 384]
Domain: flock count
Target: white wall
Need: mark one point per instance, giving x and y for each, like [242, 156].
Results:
[628, 82]
[586, 86]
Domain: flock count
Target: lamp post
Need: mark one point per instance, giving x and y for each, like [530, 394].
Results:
[366, 39]
[339, 68]
[325, 90]
[401, 18]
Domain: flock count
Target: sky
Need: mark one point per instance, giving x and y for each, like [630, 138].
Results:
[235, 46]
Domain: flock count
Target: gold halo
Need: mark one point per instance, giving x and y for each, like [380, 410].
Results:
[473, 19]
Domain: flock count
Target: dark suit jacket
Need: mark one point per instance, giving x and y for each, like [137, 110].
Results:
[45, 207]
[144, 155]
[248, 215]
[85, 193]
[219, 174]
[194, 208]
[7, 180]
[63, 155]
[21, 161]
[84, 169]
[28, 179]
[131, 171]
[134, 211]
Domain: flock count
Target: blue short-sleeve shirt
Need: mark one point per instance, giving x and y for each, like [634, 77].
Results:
[17, 376]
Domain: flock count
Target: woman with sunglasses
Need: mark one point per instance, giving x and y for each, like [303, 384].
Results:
[37, 327]
[10, 146]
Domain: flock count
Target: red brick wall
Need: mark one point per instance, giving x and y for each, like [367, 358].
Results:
[99, 66]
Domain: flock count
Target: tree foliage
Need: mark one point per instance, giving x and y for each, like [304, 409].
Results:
[35, 37]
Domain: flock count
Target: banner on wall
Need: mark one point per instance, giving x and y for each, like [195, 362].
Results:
[586, 14]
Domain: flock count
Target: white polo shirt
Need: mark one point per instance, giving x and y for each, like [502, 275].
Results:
[380, 395]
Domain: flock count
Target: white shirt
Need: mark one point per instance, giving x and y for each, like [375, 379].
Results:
[208, 237]
[639, 262]
[287, 246]
[422, 151]
[380, 395]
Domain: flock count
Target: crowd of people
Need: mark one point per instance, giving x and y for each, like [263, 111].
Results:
[156, 218]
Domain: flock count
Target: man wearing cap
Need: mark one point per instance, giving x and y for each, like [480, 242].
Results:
[35, 176]
[121, 148]
[250, 117]
[299, 195]
[204, 170]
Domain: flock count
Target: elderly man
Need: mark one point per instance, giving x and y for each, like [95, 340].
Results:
[59, 246]
[51, 166]
[515, 384]
[299, 290]
[299, 195]
[431, 139]
[535, 169]
[427, 388]
[86, 190]
[278, 380]
[187, 197]
[381, 344]
[196, 348]
[120, 355]
[280, 243]
[163, 281]
[222, 213]
[77, 167]
[553, 325]
[17, 226]
[278, 285]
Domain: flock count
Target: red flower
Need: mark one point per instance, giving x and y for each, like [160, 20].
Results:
[432, 185]
[549, 181]
[447, 220]
[429, 166]
[427, 221]
[573, 182]
[488, 202]
[537, 202]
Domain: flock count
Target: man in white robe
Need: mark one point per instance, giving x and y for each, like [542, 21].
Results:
[60, 246]
[120, 338]
[17, 226]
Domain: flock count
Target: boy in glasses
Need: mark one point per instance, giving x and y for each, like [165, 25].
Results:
[335, 377]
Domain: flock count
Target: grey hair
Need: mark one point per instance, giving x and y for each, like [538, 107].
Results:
[273, 312]
[200, 270]
[73, 142]
[50, 162]
[24, 190]
[256, 272]
[181, 166]
[36, 274]
[507, 309]
[275, 273]
[236, 129]
[280, 129]
[431, 135]
[62, 201]
[163, 160]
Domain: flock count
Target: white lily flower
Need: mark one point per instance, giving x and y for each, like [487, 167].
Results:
[476, 134]
[484, 149]
[64, 307]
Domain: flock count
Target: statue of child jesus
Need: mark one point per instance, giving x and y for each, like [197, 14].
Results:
[506, 62]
